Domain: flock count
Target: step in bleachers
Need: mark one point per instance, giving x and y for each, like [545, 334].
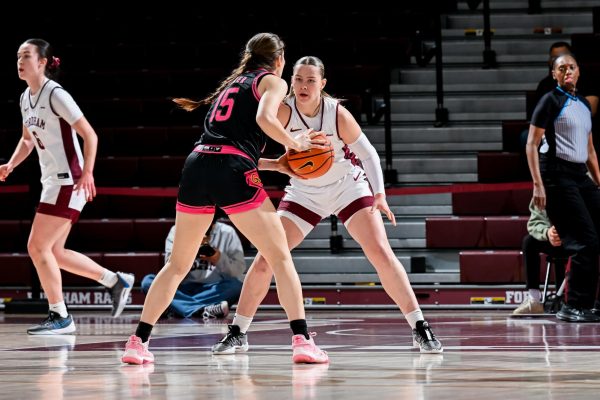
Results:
[491, 266]
[147, 141]
[162, 171]
[501, 167]
[470, 232]
[513, 138]
[123, 235]
[504, 202]
[16, 269]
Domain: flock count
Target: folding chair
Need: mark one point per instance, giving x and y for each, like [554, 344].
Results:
[552, 302]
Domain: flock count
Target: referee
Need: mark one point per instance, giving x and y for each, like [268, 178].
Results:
[562, 124]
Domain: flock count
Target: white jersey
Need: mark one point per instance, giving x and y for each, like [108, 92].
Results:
[48, 115]
[344, 161]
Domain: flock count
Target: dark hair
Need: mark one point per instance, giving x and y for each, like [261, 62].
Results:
[557, 45]
[554, 59]
[261, 51]
[315, 62]
[46, 51]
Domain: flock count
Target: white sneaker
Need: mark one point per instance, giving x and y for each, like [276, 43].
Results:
[529, 306]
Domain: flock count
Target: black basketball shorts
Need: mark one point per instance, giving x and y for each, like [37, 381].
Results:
[219, 175]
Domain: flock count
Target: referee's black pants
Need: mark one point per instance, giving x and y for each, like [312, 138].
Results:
[573, 206]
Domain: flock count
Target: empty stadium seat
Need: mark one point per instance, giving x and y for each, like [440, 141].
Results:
[150, 234]
[511, 202]
[159, 171]
[512, 135]
[138, 263]
[139, 141]
[102, 235]
[491, 266]
[116, 171]
[141, 207]
[505, 232]
[12, 236]
[16, 269]
[454, 232]
[501, 167]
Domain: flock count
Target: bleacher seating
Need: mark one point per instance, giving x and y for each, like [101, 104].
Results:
[453, 232]
[491, 266]
[505, 202]
[475, 232]
[16, 269]
[512, 136]
[501, 167]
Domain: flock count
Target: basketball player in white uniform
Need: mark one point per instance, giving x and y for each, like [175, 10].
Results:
[343, 191]
[50, 120]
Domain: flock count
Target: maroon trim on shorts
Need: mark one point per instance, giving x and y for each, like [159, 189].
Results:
[354, 207]
[61, 208]
[299, 211]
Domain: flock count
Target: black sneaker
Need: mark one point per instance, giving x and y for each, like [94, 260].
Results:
[54, 325]
[572, 314]
[120, 292]
[234, 342]
[424, 338]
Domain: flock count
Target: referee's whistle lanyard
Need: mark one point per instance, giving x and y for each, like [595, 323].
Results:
[569, 95]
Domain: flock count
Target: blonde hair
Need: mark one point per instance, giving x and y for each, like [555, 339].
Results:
[315, 62]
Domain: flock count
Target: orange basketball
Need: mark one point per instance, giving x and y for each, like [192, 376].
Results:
[311, 163]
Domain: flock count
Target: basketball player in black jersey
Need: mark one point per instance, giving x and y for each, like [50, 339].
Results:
[222, 171]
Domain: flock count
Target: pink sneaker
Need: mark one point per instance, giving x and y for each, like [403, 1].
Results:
[137, 352]
[306, 351]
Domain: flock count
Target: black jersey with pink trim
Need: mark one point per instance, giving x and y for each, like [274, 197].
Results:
[231, 119]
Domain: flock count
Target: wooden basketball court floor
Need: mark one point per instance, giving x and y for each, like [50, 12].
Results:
[487, 356]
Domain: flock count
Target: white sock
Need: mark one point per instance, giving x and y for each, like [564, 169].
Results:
[535, 295]
[242, 322]
[414, 316]
[60, 308]
[108, 278]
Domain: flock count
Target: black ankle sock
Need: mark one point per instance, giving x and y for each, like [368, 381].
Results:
[299, 327]
[143, 331]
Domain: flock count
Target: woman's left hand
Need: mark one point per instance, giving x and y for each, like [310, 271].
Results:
[380, 203]
[86, 183]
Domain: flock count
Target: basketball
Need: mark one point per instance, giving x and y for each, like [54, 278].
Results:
[311, 163]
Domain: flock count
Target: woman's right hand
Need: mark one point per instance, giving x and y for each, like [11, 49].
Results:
[5, 170]
[539, 196]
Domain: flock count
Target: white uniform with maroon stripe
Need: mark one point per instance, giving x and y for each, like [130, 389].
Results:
[339, 191]
[48, 115]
